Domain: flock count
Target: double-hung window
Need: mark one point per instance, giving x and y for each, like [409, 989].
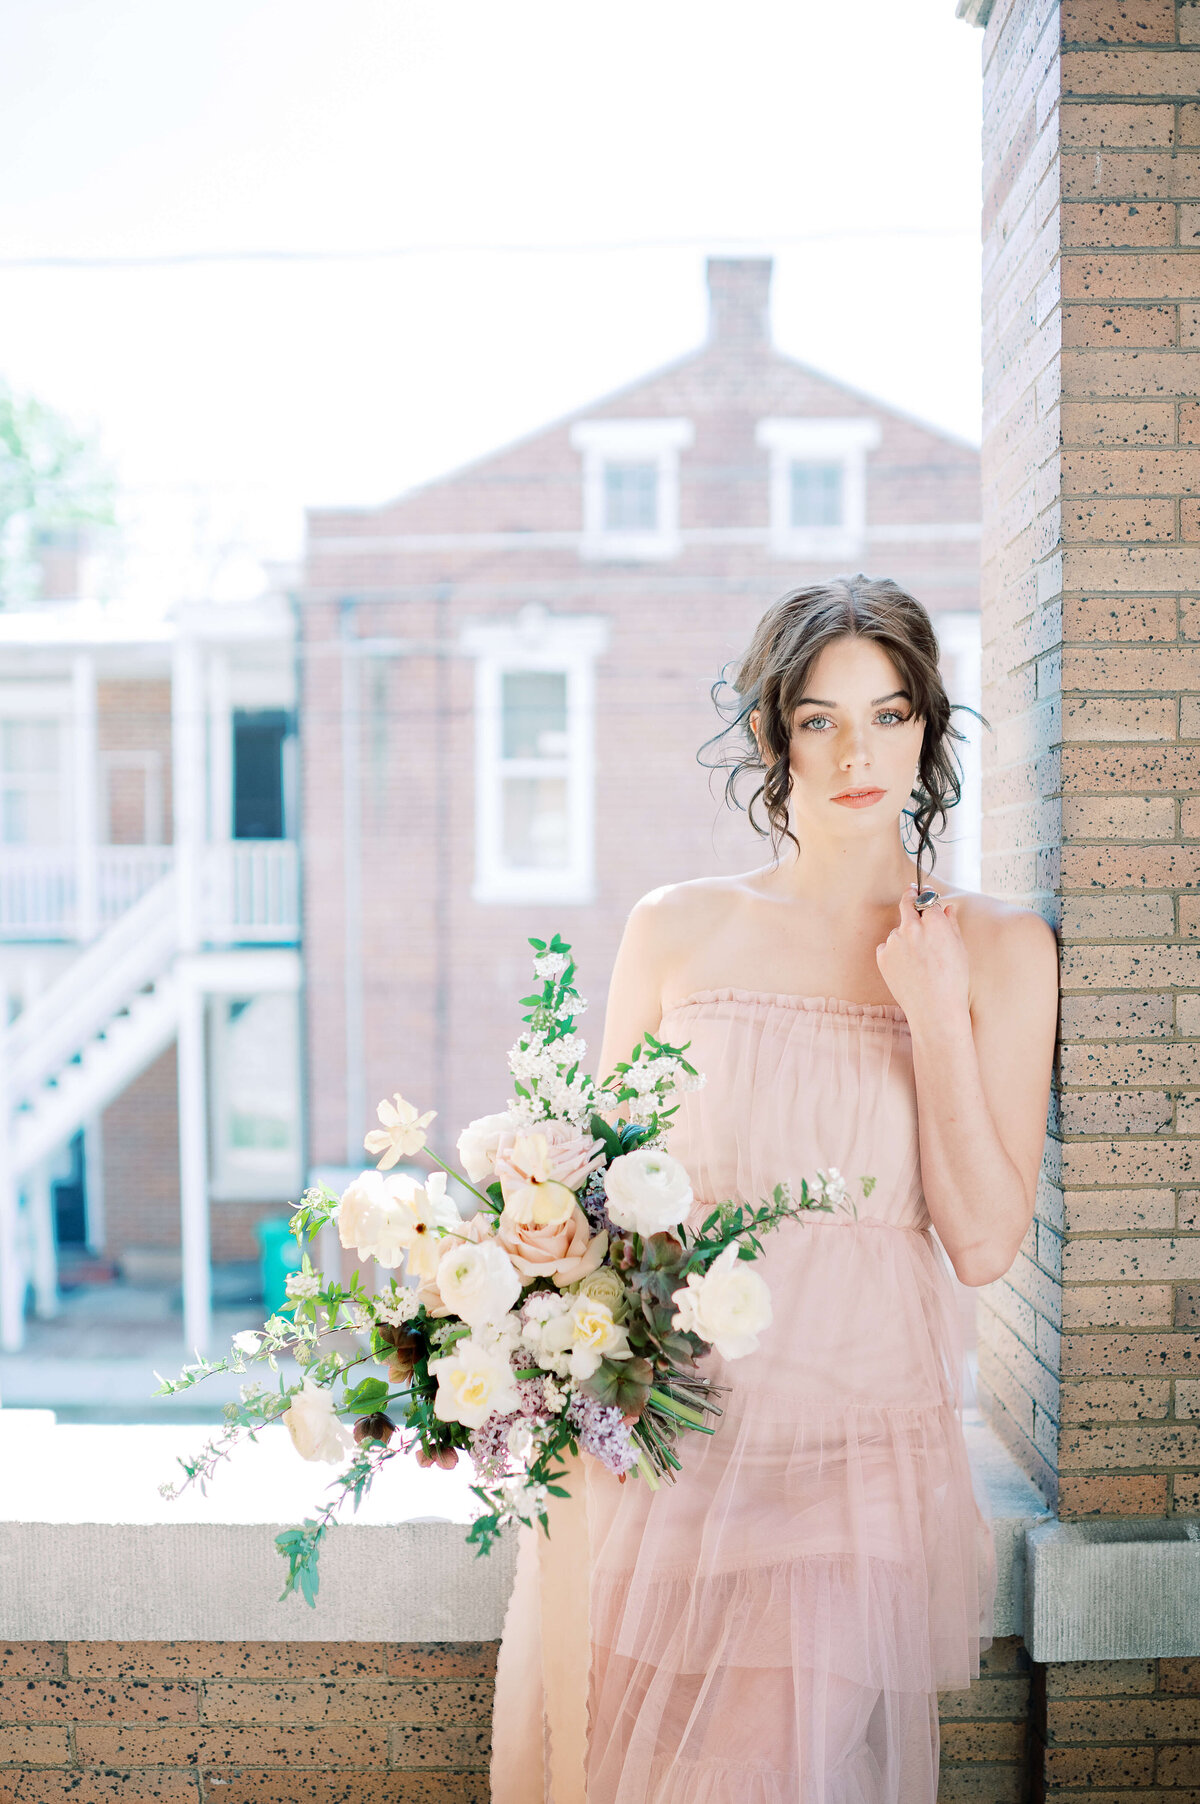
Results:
[534, 755]
[818, 488]
[631, 486]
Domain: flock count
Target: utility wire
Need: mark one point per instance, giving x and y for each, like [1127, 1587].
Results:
[182, 259]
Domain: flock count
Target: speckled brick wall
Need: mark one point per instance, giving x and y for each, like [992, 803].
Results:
[274, 1722]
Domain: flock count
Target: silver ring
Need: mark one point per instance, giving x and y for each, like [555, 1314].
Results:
[926, 898]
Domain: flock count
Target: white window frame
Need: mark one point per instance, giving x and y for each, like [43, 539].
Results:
[842, 441]
[249, 1174]
[656, 442]
[535, 640]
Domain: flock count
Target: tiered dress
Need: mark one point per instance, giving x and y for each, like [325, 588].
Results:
[773, 1627]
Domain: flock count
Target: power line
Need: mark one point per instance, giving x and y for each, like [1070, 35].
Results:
[184, 259]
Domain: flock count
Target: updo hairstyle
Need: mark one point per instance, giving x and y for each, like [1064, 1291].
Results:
[773, 675]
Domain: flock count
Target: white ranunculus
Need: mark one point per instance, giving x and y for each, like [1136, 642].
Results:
[647, 1192]
[315, 1429]
[478, 1142]
[473, 1382]
[359, 1202]
[730, 1305]
[479, 1282]
[588, 1333]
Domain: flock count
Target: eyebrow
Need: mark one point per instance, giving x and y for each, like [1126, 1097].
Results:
[813, 701]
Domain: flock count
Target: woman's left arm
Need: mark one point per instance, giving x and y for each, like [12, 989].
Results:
[983, 1047]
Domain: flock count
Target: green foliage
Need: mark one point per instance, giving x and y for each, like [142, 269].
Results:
[52, 479]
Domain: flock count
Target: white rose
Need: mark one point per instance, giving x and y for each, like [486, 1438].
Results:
[587, 1331]
[478, 1282]
[315, 1429]
[473, 1383]
[647, 1191]
[730, 1305]
[478, 1142]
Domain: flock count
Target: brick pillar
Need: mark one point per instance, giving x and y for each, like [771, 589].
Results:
[1090, 1357]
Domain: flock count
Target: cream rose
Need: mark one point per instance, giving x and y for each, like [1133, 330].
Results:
[648, 1192]
[477, 1282]
[555, 1152]
[478, 1142]
[729, 1305]
[588, 1333]
[314, 1427]
[473, 1383]
[564, 1250]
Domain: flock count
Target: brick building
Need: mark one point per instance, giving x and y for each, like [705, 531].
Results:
[506, 680]
[150, 1101]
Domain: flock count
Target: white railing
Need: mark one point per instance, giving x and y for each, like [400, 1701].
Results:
[39, 887]
[251, 892]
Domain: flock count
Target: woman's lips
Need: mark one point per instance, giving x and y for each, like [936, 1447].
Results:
[858, 798]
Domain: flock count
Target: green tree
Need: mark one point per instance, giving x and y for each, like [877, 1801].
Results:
[53, 482]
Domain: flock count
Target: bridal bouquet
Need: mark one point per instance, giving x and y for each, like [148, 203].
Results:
[569, 1312]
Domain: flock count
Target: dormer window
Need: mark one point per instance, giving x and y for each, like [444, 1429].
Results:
[631, 487]
[818, 486]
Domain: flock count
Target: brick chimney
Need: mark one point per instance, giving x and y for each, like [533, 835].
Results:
[739, 303]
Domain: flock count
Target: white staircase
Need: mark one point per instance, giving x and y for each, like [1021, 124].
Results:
[103, 1021]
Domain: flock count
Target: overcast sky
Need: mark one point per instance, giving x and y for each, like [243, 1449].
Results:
[552, 173]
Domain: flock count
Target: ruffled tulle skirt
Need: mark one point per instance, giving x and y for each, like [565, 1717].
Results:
[773, 1627]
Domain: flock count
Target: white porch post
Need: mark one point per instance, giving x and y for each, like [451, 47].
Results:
[190, 807]
[87, 814]
[188, 785]
[41, 1231]
[193, 1169]
[12, 1275]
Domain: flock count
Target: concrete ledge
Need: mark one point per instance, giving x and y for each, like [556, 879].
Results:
[89, 1550]
[1112, 1590]
[221, 1582]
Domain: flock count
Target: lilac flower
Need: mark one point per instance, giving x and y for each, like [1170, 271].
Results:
[594, 1205]
[602, 1433]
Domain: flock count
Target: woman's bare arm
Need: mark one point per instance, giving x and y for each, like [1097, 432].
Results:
[983, 1048]
[635, 1002]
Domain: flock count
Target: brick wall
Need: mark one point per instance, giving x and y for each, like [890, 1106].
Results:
[344, 1723]
[245, 1723]
[141, 1161]
[1118, 1731]
[1091, 454]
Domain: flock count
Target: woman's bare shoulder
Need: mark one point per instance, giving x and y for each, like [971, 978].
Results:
[1006, 942]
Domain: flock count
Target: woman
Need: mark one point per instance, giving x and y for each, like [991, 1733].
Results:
[773, 1628]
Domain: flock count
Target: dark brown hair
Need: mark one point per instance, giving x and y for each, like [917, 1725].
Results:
[772, 675]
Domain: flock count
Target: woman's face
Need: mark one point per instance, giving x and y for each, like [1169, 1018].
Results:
[855, 743]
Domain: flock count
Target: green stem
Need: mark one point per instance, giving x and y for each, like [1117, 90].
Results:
[682, 1411]
[449, 1169]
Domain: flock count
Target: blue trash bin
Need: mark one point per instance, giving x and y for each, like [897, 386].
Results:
[279, 1255]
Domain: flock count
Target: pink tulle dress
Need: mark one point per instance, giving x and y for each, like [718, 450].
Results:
[773, 1627]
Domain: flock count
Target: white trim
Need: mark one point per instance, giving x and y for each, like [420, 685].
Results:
[415, 543]
[620, 441]
[844, 441]
[535, 640]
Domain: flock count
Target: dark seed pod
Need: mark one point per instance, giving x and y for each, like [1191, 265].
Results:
[374, 1428]
[407, 1347]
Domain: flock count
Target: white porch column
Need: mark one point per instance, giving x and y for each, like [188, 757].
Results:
[188, 785]
[39, 1201]
[12, 1274]
[84, 757]
[193, 1169]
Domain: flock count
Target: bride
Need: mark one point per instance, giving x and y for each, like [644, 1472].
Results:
[773, 1627]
